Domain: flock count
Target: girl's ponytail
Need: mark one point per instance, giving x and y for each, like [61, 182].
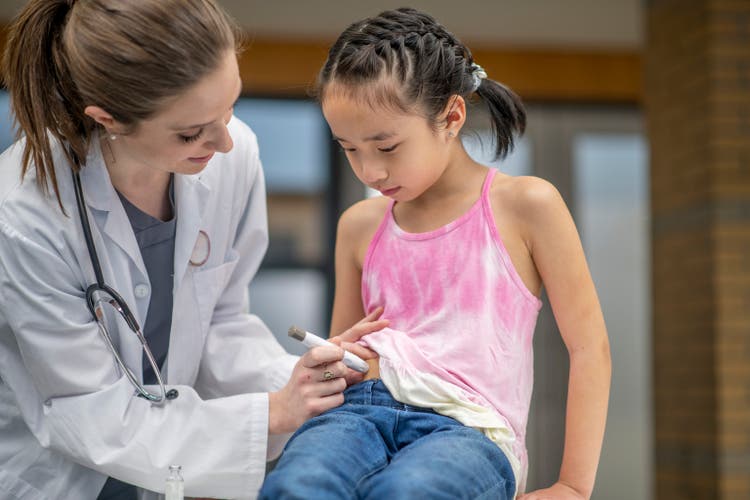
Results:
[507, 114]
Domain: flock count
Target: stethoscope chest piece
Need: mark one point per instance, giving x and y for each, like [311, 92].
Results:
[201, 250]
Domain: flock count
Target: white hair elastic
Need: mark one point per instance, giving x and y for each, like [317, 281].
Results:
[478, 74]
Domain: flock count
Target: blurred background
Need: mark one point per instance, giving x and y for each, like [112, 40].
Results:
[639, 113]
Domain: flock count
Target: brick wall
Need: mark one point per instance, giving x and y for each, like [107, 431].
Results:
[697, 98]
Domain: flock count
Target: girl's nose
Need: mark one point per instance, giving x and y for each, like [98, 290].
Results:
[373, 173]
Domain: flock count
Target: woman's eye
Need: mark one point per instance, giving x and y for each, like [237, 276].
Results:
[388, 150]
[191, 138]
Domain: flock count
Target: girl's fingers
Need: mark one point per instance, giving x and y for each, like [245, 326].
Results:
[359, 330]
[360, 350]
[375, 314]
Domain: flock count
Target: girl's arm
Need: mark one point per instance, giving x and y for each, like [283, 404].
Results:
[347, 299]
[558, 255]
[356, 228]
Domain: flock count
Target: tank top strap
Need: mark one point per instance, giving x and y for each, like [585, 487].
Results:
[488, 183]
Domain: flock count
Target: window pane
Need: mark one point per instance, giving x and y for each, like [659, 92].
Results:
[481, 147]
[294, 142]
[612, 208]
[286, 297]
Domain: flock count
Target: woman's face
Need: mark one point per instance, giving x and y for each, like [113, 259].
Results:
[186, 133]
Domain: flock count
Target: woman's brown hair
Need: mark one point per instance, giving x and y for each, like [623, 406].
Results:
[127, 57]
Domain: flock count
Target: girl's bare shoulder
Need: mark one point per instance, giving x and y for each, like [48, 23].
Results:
[525, 198]
[361, 220]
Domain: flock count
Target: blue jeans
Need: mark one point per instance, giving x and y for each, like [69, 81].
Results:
[373, 447]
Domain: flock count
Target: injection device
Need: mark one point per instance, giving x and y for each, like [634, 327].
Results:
[311, 340]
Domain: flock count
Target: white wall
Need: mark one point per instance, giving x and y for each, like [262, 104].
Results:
[591, 24]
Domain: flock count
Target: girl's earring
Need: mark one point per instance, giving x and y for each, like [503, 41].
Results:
[451, 134]
[113, 137]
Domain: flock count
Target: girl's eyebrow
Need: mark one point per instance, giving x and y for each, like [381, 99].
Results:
[381, 136]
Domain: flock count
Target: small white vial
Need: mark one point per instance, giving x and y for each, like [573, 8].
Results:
[175, 487]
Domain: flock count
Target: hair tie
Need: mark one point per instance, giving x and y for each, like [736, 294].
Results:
[478, 74]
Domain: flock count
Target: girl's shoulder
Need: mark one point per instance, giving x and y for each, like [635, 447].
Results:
[526, 197]
[360, 221]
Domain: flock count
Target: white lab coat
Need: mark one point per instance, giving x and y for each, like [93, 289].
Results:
[68, 417]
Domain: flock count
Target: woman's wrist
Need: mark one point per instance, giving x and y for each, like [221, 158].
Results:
[276, 423]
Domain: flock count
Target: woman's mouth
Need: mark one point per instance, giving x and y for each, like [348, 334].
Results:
[201, 159]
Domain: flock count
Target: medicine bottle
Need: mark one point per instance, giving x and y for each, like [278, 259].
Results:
[175, 487]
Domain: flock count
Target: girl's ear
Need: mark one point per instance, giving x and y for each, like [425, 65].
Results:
[104, 119]
[454, 115]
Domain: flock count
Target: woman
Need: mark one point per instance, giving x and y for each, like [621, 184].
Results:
[134, 175]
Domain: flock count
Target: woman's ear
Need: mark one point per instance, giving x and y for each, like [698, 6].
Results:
[103, 118]
[454, 115]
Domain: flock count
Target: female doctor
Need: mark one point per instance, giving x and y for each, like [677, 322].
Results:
[134, 204]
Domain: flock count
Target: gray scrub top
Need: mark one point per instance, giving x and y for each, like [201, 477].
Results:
[156, 242]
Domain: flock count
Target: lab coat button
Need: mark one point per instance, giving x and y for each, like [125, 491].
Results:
[141, 291]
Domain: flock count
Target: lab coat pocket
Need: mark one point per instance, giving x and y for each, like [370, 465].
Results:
[209, 285]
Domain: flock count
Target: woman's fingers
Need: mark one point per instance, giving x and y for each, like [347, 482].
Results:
[322, 354]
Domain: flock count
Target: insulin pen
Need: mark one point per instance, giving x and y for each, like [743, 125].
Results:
[311, 340]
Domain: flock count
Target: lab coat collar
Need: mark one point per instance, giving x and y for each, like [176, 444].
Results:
[106, 206]
[191, 195]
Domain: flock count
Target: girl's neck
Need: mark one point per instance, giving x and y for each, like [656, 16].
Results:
[144, 186]
[459, 180]
[451, 196]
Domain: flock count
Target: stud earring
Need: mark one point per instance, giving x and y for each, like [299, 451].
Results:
[451, 134]
[113, 137]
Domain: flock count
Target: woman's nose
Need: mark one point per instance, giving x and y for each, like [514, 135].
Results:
[222, 141]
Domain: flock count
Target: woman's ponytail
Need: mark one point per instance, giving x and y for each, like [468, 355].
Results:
[43, 96]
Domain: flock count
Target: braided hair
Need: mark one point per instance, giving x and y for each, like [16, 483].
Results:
[405, 59]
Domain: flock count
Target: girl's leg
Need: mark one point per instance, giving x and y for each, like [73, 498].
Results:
[326, 458]
[451, 462]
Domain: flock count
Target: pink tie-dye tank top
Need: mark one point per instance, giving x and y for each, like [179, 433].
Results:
[459, 315]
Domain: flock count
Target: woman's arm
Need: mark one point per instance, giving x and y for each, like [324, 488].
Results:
[558, 255]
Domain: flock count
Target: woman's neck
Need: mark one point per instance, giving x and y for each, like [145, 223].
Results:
[144, 186]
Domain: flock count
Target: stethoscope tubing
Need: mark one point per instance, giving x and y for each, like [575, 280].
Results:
[95, 306]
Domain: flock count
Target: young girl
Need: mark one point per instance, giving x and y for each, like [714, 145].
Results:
[456, 254]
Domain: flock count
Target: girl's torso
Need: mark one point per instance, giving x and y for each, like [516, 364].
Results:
[503, 195]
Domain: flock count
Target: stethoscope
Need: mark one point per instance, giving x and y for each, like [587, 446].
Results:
[99, 295]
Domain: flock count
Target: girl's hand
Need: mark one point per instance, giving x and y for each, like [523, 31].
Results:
[316, 385]
[369, 324]
[558, 491]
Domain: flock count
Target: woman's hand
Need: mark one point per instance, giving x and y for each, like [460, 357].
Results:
[558, 491]
[369, 324]
[316, 385]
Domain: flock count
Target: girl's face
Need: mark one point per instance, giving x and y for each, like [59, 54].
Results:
[186, 133]
[395, 153]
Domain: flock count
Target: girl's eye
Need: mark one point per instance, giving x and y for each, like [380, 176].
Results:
[388, 150]
[191, 138]
[348, 150]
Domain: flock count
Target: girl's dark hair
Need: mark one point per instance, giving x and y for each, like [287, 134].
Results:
[416, 64]
[127, 57]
